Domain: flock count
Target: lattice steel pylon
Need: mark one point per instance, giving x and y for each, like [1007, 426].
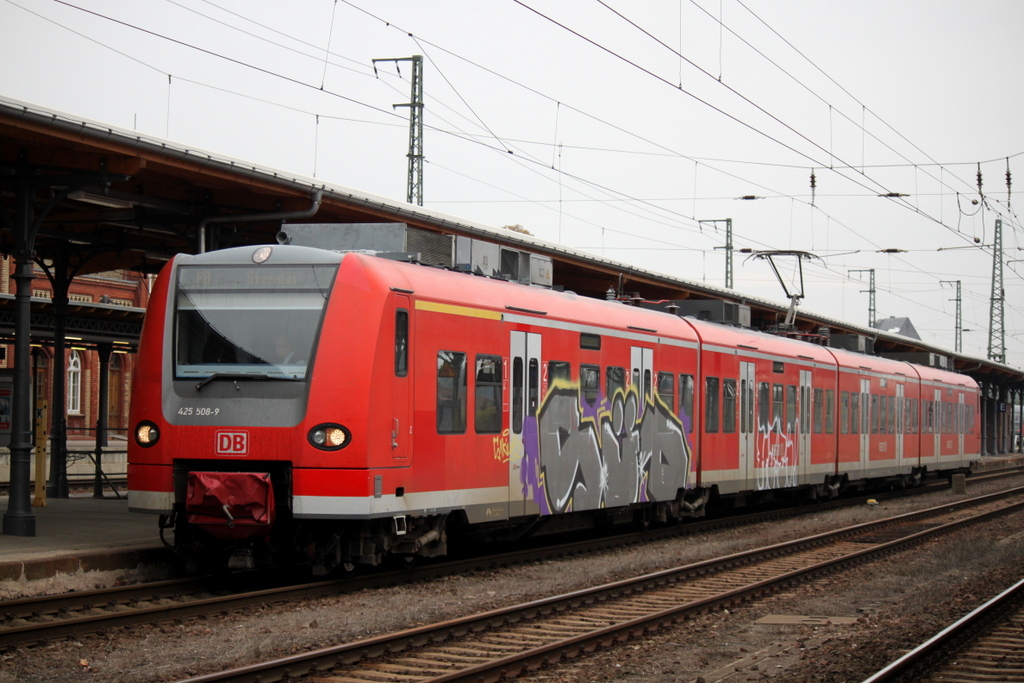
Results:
[414, 185]
[996, 332]
[958, 339]
[872, 311]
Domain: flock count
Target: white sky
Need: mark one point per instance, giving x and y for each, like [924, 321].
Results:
[627, 123]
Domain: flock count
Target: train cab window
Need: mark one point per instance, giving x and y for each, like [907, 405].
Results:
[791, 409]
[487, 408]
[517, 395]
[819, 406]
[844, 412]
[686, 400]
[590, 383]
[830, 411]
[532, 387]
[764, 403]
[667, 388]
[778, 406]
[559, 370]
[401, 342]
[615, 380]
[711, 405]
[451, 392]
[728, 406]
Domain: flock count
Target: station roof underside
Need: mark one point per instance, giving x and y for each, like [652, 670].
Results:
[109, 199]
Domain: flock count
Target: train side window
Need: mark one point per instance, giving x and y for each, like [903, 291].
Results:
[819, 406]
[764, 403]
[487, 410]
[854, 412]
[401, 342]
[791, 409]
[590, 383]
[883, 425]
[517, 395]
[830, 411]
[615, 380]
[728, 406]
[559, 370]
[451, 392]
[686, 400]
[891, 420]
[844, 412]
[913, 415]
[778, 406]
[874, 413]
[667, 388]
[711, 405]
[532, 387]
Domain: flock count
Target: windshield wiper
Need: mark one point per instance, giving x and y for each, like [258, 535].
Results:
[240, 375]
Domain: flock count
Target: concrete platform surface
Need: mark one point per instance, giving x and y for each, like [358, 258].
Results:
[80, 533]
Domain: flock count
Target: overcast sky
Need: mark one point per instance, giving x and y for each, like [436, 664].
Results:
[612, 127]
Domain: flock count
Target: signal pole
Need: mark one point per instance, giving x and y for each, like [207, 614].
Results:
[959, 320]
[996, 333]
[727, 247]
[871, 294]
[414, 185]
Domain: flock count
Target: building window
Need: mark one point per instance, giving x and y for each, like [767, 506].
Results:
[75, 383]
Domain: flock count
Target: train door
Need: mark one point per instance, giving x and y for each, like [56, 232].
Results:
[899, 425]
[804, 412]
[401, 398]
[961, 424]
[748, 429]
[525, 398]
[865, 423]
[643, 361]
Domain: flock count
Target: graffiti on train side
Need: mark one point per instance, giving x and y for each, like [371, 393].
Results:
[609, 454]
[774, 457]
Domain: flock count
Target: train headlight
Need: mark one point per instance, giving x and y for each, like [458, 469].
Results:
[329, 437]
[146, 434]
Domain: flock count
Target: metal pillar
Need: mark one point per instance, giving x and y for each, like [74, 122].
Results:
[19, 520]
[103, 349]
[57, 486]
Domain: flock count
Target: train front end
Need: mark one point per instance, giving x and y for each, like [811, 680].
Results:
[220, 406]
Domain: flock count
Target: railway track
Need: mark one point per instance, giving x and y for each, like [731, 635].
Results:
[47, 617]
[505, 642]
[985, 645]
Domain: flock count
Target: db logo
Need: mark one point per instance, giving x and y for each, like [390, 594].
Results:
[232, 443]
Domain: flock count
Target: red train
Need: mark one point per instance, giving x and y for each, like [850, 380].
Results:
[344, 407]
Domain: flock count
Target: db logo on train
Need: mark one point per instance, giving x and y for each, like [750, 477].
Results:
[232, 443]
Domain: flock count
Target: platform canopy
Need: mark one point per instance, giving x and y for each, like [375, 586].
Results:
[109, 198]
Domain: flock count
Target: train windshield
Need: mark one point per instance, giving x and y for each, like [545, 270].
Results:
[249, 321]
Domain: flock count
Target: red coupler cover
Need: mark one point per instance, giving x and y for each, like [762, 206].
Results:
[230, 505]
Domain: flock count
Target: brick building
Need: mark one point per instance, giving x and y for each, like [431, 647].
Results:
[97, 294]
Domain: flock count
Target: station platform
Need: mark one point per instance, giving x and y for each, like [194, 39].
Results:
[78, 535]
